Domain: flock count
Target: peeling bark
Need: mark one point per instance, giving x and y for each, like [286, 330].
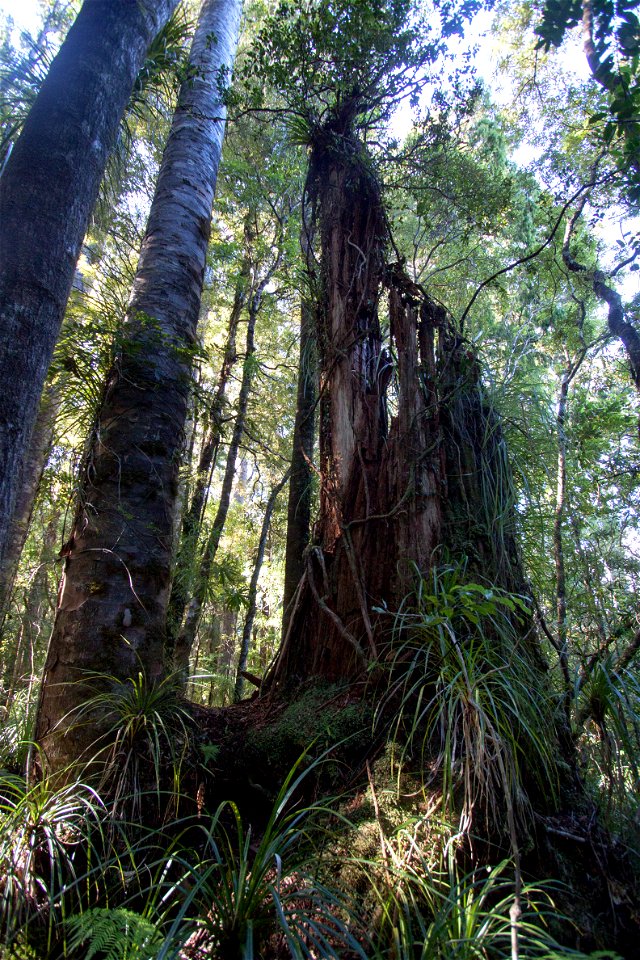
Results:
[380, 481]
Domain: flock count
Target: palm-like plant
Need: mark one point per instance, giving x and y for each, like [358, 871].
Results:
[47, 841]
[462, 691]
[248, 894]
[146, 739]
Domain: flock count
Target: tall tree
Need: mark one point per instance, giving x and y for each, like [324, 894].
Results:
[300, 484]
[48, 189]
[112, 609]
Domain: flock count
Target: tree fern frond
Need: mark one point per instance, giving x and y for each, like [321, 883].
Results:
[114, 934]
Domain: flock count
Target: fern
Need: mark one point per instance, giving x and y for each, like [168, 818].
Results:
[115, 934]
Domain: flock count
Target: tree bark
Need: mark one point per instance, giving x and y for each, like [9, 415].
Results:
[379, 483]
[48, 189]
[112, 611]
[253, 589]
[34, 464]
[300, 489]
[619, 326]
[193, 613]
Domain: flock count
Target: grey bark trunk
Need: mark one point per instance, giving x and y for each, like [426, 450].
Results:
[253, 589]
[34, 464]
[48, 189]
[112, 610]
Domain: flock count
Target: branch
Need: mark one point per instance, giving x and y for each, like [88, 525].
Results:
[618, 326]
[530, 256]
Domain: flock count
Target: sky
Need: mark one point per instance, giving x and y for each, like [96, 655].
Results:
[25, 13]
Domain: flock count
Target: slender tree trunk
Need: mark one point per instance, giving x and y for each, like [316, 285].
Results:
[619, 326]
[48, 189]
[192, 520]
[34, 464]
[300, 485]
[558, 543]
[616, 86]
[35, 616]
[112, 611]
[187, 634]
[589, 580]
[253, 588]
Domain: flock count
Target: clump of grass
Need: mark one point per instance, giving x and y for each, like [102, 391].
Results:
[445, 914]
[47, 842]
[255, 894]
[462, 695]
[146, 732]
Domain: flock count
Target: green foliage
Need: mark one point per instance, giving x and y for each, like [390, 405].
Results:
[614, 59]
[313, 721]
[249, 893]
[46, 843]
[113, 934]
[145, 737]
[23, 68]
[350, 59]
[16, 729]
[610, 699]
[165, 66]
[449, 915]
[462, 693]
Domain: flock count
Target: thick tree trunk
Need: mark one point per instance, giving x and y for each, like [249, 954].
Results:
[253, 588]
[47, 192]
[112, 610]
[379, 492]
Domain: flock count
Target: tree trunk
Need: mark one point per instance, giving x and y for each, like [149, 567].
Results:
[34, 464]
[253, 589]
[379, 482]
[112, 610]
[187, 634]
[192, 520]
[300, 488]
[47, 192]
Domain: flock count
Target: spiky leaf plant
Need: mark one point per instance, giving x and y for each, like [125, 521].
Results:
[145, 728]
[47, 842]
[263, 894]
[445, 914]
[462, 695]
